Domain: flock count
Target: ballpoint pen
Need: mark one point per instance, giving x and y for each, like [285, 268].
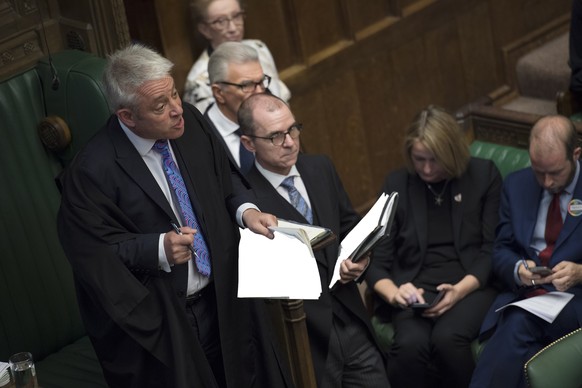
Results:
[178, 231]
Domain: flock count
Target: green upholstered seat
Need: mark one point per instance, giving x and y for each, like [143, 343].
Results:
[506, 158]
[39, 310]
[558, 364]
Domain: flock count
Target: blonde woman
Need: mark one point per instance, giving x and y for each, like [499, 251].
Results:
[440, 243]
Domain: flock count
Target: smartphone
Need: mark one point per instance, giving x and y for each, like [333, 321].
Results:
[543, 271]
[424, 306]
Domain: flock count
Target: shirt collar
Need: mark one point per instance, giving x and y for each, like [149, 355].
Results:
[143, 146]
[222, 123]
[570, 188]
[276, 179]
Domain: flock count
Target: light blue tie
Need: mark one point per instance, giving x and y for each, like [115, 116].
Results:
[174, 177]
[297, 200]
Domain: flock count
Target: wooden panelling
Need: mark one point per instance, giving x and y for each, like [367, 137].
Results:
[273, 22]
[360, 18]
[358, 70]
[97, 26]
[321, 24]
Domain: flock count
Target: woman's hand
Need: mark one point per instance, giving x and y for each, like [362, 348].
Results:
[406, 295]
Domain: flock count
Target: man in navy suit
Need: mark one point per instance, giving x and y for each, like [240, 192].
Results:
[345, 353]
[523, 242]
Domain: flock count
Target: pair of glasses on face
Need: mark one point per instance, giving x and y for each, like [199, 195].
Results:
[222, 22]
[278, 138]
[250, 86]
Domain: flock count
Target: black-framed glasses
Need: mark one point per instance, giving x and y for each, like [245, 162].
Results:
[278, 138]
[250, 86]
[222, 22]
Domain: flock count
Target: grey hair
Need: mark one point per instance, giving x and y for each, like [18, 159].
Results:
[226, 54]
[128, 69]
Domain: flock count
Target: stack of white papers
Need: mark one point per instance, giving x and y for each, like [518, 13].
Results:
[4, 374]
[546, 306]
[280, 268]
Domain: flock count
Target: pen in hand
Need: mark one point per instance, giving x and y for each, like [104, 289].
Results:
[178, 231]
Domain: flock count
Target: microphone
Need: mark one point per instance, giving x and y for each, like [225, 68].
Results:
[56, 82]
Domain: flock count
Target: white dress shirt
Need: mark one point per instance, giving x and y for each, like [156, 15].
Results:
[153, 160]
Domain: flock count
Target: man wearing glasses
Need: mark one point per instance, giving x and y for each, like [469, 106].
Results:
[235, 74]
[307, 189]
[220, 21]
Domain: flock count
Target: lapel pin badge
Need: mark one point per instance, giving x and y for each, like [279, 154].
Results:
[458, 197]
[575, 207]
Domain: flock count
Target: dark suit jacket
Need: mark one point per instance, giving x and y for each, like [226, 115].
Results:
[332, 209]
[518, 215]
[474, 218]
[220, 138]
[111, 216]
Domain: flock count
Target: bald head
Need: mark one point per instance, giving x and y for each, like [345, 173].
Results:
[554, 151]
[551, 135]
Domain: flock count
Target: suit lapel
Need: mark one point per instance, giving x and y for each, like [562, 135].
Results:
[131, 162]
[220, 138]
[320, 206]
[419, 210]
[458, 188]
[571, 222]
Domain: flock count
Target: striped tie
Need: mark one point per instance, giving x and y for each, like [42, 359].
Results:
[297, 200]
[174, 177]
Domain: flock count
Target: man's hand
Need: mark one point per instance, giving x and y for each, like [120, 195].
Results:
[350, 271]
[177, 246]
[566, 274]
[529, 278]
[259, 222]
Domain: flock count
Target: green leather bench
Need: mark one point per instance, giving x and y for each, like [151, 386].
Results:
[39, 312]
[507, 159]
[558, 364]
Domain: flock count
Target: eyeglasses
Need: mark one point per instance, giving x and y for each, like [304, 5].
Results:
[223, 22]
[278, 138]
[250, 86]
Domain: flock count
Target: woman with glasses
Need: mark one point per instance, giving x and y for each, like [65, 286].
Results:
[222, 21]
[432, 273]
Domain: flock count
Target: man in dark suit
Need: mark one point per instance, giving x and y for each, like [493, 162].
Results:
[235, 73]
[343, 346]
[535, 201]
[156, 317]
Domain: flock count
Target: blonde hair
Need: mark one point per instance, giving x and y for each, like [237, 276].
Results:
[438, 131]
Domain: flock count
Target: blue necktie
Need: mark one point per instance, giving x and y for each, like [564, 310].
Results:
[247, 158]
[176, 181]
[297, 199]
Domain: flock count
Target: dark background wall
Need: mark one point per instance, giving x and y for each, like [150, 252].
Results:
[358, 70]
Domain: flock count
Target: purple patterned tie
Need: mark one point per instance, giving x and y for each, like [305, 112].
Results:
[177, 183]
[297, 199]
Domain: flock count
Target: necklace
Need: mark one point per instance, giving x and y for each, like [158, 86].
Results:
[438, 198]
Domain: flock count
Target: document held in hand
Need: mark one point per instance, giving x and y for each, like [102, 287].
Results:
[369, 232]
[283, 267]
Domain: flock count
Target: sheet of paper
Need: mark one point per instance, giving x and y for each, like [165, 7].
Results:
[280, 268]
[358, 234]
[546, 306]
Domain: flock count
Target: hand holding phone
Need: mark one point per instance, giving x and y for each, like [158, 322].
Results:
[541, 270]
[424, 306]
